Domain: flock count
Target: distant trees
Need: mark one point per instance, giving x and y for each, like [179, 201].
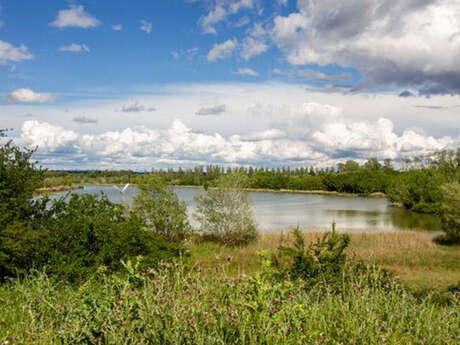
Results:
[224, 212]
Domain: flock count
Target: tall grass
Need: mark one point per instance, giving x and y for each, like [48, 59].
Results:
[410, 255]
[178, 305]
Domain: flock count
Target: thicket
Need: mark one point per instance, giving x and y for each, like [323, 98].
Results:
[71, 237]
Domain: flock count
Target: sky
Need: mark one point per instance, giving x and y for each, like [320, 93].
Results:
[98, 84]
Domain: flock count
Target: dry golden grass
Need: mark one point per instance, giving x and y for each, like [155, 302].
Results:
[411, 256]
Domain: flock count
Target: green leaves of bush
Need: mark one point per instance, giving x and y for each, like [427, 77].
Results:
[89, 231]
[322, 260]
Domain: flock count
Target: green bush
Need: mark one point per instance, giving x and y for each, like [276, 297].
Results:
[450, 213]
[165, 214]
[224, 212]
[322, 260]
[87, 231]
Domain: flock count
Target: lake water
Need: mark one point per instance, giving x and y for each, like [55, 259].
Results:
[281, 211]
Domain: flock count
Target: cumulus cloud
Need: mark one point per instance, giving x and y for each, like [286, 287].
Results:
[146, 26]
[117, 27]
[75, 16]
[136, 107]
[25, 95]
[247, 72]
[84, 120]
[391, 42]
[214, 110]
[74, 48]
[365, 139]
[10, 53]
[222, 50]
[179, 144]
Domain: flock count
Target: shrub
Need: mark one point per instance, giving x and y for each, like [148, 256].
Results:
[322, 260]
[165, 214]
[450, 213]
[87, 232]
[224, 212]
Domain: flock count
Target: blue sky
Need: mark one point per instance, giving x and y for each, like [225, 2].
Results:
[282, 82]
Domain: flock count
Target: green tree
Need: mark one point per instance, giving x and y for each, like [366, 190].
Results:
[165, 214]
[224, 211]
[450, 212]
[19, 178]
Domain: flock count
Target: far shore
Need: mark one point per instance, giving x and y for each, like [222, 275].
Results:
[58, 189]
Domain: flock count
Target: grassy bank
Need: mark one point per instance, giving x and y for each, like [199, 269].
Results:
[412, 256]
[174, 305]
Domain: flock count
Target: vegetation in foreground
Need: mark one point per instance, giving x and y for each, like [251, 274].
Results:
[315, 297]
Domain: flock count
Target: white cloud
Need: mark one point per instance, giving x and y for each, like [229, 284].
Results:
[25, 95]
[179, 144]
[391, 42]
[247, 72]
[238, 5]
[75, 16]
[146, 26]
[252, 47]
[220, 10]
[117, 27]
[8, 53]
[74, 48]
[213, 17]
[222, 50]
[320, 127]
[46, 137]
[214, 110]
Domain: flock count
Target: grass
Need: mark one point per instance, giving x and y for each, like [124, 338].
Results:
[175, 305]
[412, 256]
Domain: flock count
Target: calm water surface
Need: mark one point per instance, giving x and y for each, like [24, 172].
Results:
[280, 211]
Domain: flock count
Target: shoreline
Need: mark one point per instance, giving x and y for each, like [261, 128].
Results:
[58, 189]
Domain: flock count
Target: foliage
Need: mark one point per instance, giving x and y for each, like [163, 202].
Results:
[224, 212]
[86, 232]
[165, 214]
[450, 212]
[418, 190]
[19, 178]
[323, 260]
[172, 305]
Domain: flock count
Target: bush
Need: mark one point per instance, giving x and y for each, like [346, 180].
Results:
[165, 214]
[224, 212]
[322, 260]
[450, 213]
[87, 232]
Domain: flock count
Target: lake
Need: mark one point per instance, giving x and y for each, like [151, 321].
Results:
[281, 211]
